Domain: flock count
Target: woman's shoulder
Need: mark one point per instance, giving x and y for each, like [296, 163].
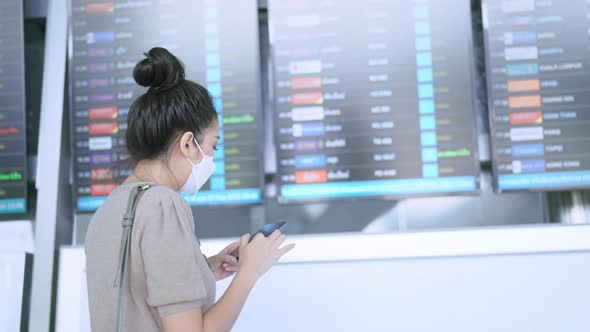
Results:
[155, 193]
[158, 197]
[158, 200]
[159, 208]
[163, 192]
[163, 203]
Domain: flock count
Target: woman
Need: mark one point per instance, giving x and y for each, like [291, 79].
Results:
[168, 283]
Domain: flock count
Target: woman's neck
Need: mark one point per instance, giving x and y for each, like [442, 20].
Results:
[153, 171]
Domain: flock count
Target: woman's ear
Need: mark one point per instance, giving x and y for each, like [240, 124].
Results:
[186, 143]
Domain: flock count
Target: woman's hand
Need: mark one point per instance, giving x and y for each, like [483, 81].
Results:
[224, 265]
[258, 256]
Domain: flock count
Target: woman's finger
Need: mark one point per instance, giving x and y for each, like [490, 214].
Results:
[286, 249]
[228, 259]
[231, 268]
[280, 240]
[275, 235]
[231, 247]
[244, 240]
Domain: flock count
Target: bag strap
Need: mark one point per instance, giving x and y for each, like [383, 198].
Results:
[127, 224]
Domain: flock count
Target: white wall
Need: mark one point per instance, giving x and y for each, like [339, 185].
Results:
[508, 279]
[500, 279]
[533, 292]
[72, 298]
[15, 242]
[12, 271]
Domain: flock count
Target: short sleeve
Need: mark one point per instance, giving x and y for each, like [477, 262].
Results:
[169, 251]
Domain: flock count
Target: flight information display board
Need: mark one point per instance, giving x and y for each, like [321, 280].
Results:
[373, 98]
[217, 40]
[538, 60]
[13, 152]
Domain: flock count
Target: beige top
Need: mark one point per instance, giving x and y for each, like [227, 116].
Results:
[166, 271]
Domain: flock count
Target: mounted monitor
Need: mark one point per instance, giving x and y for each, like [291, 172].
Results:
[373, 98]
[218, 43]
[13, 151]
[538, 83]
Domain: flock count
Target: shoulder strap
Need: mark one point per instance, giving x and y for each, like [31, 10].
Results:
[127, 224]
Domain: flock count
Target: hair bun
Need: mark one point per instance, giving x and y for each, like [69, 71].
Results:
[160, 69]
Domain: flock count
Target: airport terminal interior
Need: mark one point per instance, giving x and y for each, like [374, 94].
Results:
[430, 158]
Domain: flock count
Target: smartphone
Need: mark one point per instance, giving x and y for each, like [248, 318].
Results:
[266, 230]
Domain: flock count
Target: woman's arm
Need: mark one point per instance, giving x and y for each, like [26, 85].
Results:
[256, 258]
[221, 317]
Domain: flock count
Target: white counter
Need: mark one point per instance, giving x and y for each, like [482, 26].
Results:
[446, 243]
[503, 279]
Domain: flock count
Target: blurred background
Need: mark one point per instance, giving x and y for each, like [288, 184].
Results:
[417, 139]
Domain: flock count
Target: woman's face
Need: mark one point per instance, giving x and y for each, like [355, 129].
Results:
[187, 149]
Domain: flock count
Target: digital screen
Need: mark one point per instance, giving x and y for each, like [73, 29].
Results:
[13, 152]
[538, 62]
[218, 43]
[373, 98]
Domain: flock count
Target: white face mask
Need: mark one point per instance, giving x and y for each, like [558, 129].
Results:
[200, 173]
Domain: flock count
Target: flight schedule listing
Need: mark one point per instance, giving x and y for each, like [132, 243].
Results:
[373, 98]
[217, 40]
[13, 153]
[538, 55]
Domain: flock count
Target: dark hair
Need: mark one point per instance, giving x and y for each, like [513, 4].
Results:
[170, 107]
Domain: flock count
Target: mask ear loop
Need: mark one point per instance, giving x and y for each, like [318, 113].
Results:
[199, 147]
